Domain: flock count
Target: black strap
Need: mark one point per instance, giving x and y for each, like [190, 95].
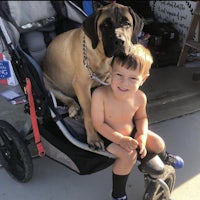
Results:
[60, 8]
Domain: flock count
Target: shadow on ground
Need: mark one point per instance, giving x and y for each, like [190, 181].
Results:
[172, 92]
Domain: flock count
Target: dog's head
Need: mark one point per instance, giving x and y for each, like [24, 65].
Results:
[114, 26]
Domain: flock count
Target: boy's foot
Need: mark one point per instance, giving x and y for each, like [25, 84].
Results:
[121, 198]
[174, 160]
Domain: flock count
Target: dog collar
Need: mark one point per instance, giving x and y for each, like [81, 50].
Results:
[92, 75]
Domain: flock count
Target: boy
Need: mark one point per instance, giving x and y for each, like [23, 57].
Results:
[119, 115]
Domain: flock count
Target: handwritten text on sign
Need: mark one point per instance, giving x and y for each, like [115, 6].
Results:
[179, 13]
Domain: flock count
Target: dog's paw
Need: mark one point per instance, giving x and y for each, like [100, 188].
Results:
[73, 109]
[96, 144]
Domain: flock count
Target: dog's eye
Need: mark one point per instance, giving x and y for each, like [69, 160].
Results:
[106, 24]
[126, 23]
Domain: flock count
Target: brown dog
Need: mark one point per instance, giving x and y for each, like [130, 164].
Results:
[79, 59]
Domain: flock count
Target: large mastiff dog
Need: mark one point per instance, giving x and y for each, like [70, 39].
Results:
[79, 59]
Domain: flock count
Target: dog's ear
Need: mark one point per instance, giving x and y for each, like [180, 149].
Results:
[90, 28]
[138, 26]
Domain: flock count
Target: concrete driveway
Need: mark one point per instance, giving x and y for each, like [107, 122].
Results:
[53, 181]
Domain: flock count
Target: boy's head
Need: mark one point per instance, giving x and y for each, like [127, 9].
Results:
[139, 58]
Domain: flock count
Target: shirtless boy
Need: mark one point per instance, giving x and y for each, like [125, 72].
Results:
[119, 115]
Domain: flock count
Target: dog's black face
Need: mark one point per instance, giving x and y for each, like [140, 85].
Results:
[116, 35]
[113, 27]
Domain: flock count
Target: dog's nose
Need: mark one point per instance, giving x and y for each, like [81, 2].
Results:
[119, 42]
[120, 38]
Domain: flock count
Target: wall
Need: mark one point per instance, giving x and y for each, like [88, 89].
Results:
[177, 12]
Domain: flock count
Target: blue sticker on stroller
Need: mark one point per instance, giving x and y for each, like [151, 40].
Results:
[4, 70]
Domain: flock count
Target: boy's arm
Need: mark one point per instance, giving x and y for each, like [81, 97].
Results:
[141, 122]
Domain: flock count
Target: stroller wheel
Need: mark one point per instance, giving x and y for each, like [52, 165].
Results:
[154, 191]
[14, 154]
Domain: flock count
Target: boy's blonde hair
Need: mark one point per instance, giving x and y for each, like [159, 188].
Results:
[139, 57]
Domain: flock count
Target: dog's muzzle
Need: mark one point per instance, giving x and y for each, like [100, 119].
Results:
[114, 46]
[117, 43]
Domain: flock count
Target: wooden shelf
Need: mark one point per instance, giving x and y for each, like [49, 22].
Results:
[193, 44]
[189, 40]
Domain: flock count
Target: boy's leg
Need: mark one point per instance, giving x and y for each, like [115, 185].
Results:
[119, 185]
[121, 169]
[156, 144]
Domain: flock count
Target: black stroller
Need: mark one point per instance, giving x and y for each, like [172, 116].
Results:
[55, 134]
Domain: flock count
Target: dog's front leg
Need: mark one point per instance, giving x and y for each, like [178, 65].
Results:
[73, 107]
[83, 93]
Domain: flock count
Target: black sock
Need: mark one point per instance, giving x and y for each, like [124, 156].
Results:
[163, 155]
[148, 157]
[119, 185]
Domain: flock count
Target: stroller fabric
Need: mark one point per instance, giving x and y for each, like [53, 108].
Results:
[29, 24]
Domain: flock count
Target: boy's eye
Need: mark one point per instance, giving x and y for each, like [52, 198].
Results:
[119, 75]
[133, 78]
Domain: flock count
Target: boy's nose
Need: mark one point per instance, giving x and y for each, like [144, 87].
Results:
[124, 82]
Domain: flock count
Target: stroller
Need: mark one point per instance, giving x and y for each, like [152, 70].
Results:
[25, 32]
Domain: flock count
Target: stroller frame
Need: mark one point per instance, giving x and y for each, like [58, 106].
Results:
[58, 131]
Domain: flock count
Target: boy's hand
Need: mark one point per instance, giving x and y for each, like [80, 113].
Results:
[141, 139]
[143, 151]
[128, 143]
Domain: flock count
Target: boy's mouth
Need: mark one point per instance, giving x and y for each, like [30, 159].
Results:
[122, 89]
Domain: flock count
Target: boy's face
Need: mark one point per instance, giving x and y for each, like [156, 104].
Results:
[125, 82]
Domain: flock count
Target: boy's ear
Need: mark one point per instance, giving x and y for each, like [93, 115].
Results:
[144, 79]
